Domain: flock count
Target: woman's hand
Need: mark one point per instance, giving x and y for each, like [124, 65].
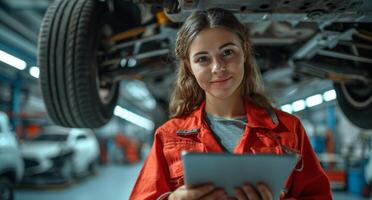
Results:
[204, 192]
[248, 192]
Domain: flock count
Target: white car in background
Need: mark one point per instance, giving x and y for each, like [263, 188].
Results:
[59, 155]
[11, 163]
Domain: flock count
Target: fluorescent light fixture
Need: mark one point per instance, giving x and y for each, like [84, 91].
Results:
[34, 71]
[314, 100]
[133, 118]
[298, 105]
[329, 95]
[12, 60]
[286, 108]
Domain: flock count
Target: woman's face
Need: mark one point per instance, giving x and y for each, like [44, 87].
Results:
[216, 59]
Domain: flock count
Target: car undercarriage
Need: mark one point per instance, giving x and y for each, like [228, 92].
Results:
[87, 47]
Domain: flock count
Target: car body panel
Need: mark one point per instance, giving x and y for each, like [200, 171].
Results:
[10, 156]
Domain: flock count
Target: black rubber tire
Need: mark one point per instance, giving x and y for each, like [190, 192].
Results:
[356, 103]
[6, 189]
[67, 57]
[92, 168]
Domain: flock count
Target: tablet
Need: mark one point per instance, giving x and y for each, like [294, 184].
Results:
[230, 170]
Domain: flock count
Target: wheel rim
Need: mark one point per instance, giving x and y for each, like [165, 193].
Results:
[106, 91]
[358, 96]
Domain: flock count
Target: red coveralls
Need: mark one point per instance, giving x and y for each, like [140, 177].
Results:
[276, 133]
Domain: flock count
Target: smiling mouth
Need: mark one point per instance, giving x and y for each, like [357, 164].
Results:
[221, 80]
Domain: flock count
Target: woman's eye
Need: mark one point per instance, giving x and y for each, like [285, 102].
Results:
[202, 59]
[227, 52]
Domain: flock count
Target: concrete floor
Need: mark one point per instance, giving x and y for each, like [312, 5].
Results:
[112, 182]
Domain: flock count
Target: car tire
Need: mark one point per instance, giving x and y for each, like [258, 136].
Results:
[356, 103]
[67, 56]
[92, 168]
[6, 189]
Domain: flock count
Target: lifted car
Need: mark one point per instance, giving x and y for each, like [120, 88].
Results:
[87, 46]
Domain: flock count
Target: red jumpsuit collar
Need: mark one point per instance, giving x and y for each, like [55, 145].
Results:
[257, 117]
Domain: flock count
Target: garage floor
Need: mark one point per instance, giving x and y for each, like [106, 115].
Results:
[113, 182]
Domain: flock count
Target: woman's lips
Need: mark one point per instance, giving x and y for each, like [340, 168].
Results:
[222, 80]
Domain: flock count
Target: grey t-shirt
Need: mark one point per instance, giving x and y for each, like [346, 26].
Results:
[228, 131]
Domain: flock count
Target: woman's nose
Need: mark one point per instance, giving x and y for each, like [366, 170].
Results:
[218, 65]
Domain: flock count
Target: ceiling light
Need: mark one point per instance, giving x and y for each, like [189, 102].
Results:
[133, 118]
[329, 95]
[314, 100]
[34, 71]
[12, 60]
[286, 108]
[298, 105]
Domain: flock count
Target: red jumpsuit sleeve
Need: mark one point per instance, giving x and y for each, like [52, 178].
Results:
[152, 180]
[308, 181]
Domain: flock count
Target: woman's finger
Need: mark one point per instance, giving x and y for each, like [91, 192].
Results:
[215, 194]
[250, 192]
[198, 192]
[264, 192]
[240, 194]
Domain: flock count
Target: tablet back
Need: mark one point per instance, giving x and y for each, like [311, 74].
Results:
[231, 170]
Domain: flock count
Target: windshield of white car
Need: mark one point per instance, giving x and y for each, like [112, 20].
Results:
[51, 137]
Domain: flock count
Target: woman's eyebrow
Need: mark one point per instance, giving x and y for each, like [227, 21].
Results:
[199, 53]
[227, 44]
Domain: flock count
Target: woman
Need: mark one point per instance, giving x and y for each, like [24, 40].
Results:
[218, 106]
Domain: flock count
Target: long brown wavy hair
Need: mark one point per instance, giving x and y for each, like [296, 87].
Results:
[187, 94]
